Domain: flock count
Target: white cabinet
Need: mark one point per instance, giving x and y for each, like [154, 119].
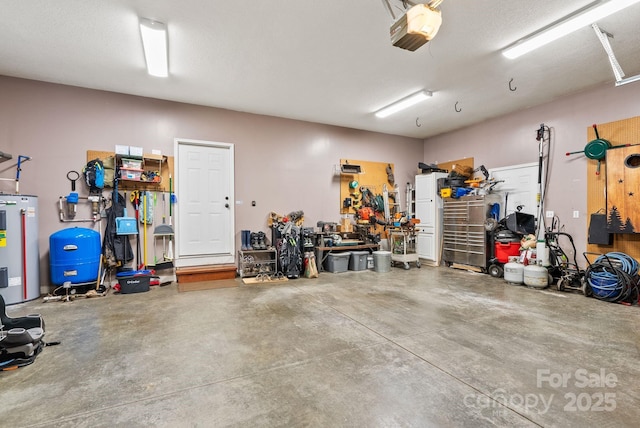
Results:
[429, 211]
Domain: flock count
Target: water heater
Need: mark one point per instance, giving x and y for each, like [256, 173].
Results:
[19, 252]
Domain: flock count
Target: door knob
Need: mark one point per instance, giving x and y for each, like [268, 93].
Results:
[226, 205]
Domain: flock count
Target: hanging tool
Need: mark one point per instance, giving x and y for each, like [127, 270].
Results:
[21, 159]
[144, 227]
[163, 230]
[73, 176]
[170, 251]
[539, 196]
[135, 201]
[597, 149]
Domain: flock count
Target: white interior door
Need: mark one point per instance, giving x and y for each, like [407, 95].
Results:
[520, 187]
[205, 207]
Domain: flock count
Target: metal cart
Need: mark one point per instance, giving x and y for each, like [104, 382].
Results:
[404, 246]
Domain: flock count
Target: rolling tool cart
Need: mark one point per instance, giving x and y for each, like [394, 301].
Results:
[465, 240]
[404, 246]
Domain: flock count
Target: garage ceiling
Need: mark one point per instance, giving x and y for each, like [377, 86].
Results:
[328, 61]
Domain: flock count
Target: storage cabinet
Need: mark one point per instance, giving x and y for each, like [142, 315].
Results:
[465, 239]
[428, 209]
[256, 262]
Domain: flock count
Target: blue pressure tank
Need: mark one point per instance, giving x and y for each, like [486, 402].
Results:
[74, 255]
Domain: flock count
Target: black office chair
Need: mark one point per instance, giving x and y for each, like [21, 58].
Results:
[20, 339]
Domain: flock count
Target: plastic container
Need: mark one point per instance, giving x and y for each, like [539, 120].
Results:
[514, 272]
[358, 260]
[382, 261]
[130, 174]
[504, 250]
[370, 263]
[134, 284]
[74, 255]
[337, 262]
[131, 163]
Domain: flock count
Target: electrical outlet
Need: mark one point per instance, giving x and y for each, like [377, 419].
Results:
[549, 214]
[576, 214]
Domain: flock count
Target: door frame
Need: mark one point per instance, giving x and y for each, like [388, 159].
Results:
[226, 258]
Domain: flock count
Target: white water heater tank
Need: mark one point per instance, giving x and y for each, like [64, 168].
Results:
[19, 252]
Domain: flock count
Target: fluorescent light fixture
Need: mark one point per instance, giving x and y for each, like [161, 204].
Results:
[580, 18]
[404, 103]
[154, 42]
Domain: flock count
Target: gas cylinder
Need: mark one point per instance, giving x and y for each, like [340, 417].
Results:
[514, 271]
[536, 276]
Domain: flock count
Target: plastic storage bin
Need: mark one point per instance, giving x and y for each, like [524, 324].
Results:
[358, 260]
[504, 250]
[134, 284]
[337, 262]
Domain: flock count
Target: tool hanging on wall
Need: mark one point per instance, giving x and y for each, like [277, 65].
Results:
[170, 250]
[135, 201]
[73, 176]
[146, 214]
[21, 159]
[597, 149]
[165, 231]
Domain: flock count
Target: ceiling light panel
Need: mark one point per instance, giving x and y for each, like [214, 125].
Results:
[403, 103]
[579, 19]
[154, 42]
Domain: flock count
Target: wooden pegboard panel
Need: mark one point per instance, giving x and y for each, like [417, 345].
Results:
[618, 133]
[373, 177]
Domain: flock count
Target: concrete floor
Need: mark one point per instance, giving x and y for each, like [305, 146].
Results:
[429, 347]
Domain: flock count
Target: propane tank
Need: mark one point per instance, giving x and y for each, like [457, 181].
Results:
[536, 276]
[514, 271]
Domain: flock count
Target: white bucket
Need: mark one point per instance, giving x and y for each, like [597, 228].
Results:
[382, 261]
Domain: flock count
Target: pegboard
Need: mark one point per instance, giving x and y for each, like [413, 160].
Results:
[622, 132]
[373, 177]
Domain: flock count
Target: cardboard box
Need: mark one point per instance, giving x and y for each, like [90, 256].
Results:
[122, 150]
[135, 152]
